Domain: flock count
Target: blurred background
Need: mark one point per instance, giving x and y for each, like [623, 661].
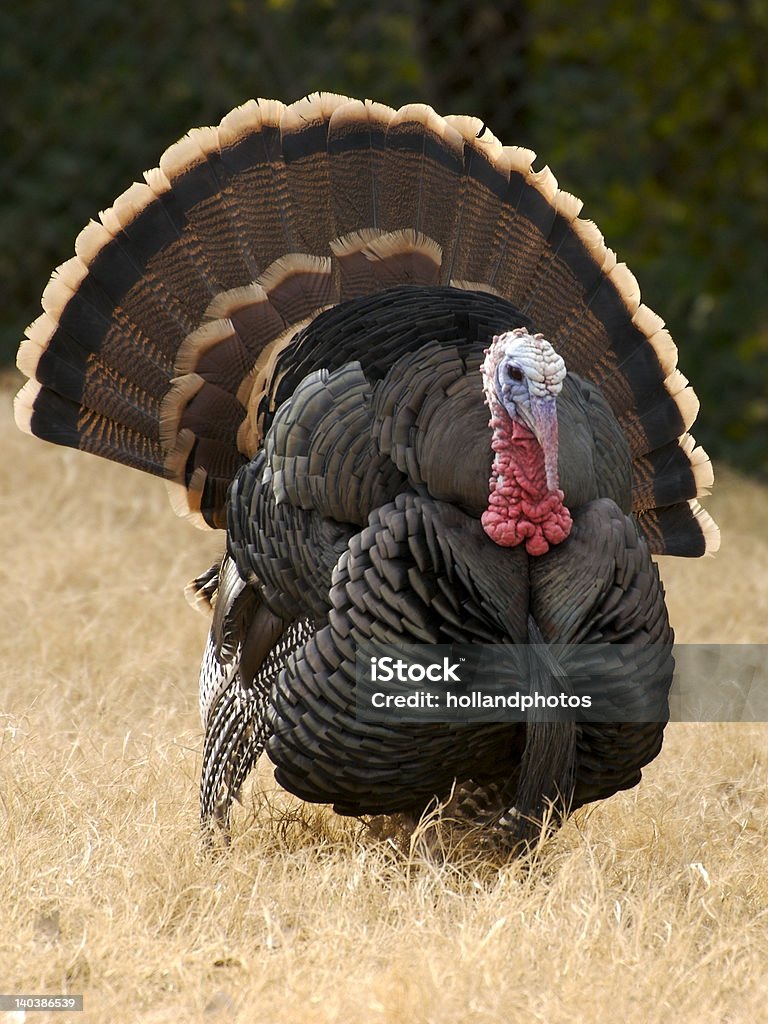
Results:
[657, 118]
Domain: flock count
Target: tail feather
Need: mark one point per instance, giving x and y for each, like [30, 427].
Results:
[479, 203]
[299, 285]
[356, 149]
[370, 261]
[304, 128]
[199, 182]
[252, 158]
[684, 529]
[529, 217]
[672, 473]
[423, 151]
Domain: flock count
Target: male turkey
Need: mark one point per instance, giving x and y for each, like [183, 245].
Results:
[303, 320]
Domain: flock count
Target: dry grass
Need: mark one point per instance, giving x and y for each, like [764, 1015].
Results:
[648, 907]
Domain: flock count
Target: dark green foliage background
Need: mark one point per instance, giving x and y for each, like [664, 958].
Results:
[656, 115]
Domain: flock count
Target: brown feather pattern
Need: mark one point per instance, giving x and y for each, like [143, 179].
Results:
[233, 205]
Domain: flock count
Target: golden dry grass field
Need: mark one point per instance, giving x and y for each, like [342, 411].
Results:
[649, 907]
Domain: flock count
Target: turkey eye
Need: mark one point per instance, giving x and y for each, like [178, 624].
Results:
[514, 373]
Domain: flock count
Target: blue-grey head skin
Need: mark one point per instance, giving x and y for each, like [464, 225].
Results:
[523, 374]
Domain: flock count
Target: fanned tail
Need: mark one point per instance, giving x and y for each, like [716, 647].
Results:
[160, 337]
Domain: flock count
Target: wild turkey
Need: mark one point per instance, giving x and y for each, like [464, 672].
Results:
[300, 321]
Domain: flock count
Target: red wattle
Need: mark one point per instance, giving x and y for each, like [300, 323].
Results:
[520, 506]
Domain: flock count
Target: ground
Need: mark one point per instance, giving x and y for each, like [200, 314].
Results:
[651, 906]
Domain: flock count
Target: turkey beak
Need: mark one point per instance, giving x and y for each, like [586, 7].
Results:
[544, 426]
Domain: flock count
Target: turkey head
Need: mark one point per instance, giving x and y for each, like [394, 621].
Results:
[522, 377]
